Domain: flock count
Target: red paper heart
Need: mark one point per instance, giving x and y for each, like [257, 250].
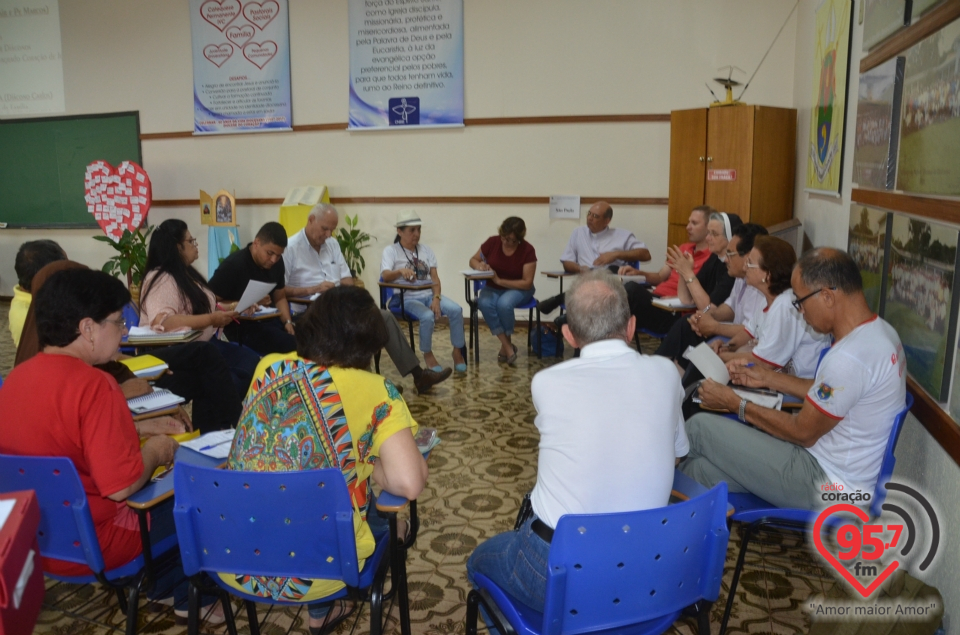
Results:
[220, 13]
[218, 54]
[817, 540]
[260, 54]
[240, 35]
[119, 198]
[261, 14]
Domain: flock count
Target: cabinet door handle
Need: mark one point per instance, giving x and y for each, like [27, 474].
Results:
[701, 159]
[709, 159]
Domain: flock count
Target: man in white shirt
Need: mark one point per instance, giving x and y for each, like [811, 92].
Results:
[596, 244]
[314, 263]
[602, 448]
[840, 434]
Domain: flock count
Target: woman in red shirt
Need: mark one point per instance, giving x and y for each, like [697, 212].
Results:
[514, 264]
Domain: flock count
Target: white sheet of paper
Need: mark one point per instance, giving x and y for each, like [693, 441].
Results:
[6, 506]
[476, 272]
[672, 303]
[637, 279]
[213, 444]
[565, 207]
[254, 292]
[708, 363]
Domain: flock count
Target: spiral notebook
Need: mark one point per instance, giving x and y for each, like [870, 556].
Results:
[159, 399]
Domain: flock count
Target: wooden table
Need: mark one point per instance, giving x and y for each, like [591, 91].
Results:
[402, 286]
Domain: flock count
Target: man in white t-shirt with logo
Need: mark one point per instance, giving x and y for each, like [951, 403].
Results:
[840, 434]
[314, 263]
[603, 448]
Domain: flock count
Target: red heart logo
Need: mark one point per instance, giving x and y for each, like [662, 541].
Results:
[261, 14]
[260, 54]
[218, 54]
[118, 198]
[240, 35]
[220, 13]
[817, 540]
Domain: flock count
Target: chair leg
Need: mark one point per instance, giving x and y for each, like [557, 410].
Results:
[473, 612]
[122, 599]
[703, 617]
[193, 609]
[228, 613]
[736, 574]
[252, 617]
[540, 352]
[133, 600]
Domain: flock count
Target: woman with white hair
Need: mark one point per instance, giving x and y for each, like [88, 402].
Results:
[409, 260]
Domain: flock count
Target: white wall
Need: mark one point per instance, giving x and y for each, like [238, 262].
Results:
[921, 460]
[529, 58]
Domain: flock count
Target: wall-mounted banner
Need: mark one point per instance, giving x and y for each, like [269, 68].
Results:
[31, 69]
[406, 63]
[241, 66]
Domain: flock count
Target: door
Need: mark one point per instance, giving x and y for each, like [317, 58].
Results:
[688, 149]
[729, 159]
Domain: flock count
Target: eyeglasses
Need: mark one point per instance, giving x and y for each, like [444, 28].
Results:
[120, 323]
[798, 304]
[192, 241]
[731, 254]
[750, 265]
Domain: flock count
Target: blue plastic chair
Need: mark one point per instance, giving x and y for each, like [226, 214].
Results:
[530, 306]
[635, 571]
[386, 297]
[757, 513]
[66, 530]
[275, 524]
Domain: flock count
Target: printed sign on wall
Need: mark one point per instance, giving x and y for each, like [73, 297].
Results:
[406, 63]
[31, 69]
[241, 65]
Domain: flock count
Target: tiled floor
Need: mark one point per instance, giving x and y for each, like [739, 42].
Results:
[485, 463]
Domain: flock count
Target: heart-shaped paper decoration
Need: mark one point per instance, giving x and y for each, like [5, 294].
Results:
[260, 54]
[261, 14]
[218, 54]
[865, 591]
[118, 198]
[240, 35]
[220, 13]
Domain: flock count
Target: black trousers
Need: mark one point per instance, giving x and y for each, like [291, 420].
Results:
[648, 316]
[263, 336]
[680, 336]
[199, 374]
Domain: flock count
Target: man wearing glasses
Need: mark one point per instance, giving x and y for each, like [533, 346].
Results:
[596, 244]
[840, 434]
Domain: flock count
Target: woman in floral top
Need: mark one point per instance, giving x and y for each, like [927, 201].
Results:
[322, 408]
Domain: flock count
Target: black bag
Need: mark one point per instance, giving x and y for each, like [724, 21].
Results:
[547, 342]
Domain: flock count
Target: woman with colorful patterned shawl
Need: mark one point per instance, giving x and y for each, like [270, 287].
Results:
[323, 408]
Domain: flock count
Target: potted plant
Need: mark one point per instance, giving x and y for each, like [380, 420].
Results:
[352, 242]
[131, 258]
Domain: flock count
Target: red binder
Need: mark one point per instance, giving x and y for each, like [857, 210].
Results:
[19, 608]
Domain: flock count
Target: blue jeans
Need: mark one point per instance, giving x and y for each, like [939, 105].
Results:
[379, 525]
[497, 307]
[517, 562]
[424, 314]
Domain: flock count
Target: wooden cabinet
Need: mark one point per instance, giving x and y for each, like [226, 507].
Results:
[738, 159]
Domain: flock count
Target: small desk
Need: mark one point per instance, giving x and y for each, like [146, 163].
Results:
[258, 318]
[159, 343]
[416, 285]
[303, 300]
[474, 311]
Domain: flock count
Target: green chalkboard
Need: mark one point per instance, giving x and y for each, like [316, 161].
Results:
[43, 162]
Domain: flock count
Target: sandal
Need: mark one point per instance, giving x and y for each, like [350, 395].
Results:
[328, 626]
[510, 360]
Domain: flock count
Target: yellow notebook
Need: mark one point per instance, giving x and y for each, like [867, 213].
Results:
[145, 365]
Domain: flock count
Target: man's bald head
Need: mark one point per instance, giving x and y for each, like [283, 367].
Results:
[321, 223]
[597, 307]
[599, 216]
[826, 267]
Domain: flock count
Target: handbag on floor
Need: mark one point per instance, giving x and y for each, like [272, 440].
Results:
[547, 342]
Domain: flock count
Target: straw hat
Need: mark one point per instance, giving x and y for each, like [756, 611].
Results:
[408, 218]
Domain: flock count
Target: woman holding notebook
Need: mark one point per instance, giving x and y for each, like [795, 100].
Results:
[176, 296]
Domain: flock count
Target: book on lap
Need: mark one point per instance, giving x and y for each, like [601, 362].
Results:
[159, 399]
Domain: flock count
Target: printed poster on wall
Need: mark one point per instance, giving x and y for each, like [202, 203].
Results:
[406, 63]
[241, 66]
[831, 67]
[31, 68]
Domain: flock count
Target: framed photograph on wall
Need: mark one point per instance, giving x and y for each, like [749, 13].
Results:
[883, 18]
[831, 67]
[878, 126]
[930, 123]
[921, 298]
[867, 244]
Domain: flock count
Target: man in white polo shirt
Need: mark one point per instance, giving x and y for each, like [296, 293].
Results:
[596, 244]
[314, 263]
[603, 448]
[840, 434]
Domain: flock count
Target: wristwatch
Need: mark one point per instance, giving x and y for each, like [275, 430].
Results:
[691, 279]
[288, 322]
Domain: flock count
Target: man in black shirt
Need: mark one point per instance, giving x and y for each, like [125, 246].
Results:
[261, 261]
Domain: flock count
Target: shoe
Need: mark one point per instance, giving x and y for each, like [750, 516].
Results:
[437, 369]
[550, 304]
[460, 368]
[210, 615]
[332, 624]
[430, 378]
[511, 359]
[159, 606]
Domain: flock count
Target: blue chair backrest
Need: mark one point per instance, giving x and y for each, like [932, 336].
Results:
[889, 460]
[66, 530]
[275, 524]
[131, 314]
[610, 570]
[1, 382]
[478, 285]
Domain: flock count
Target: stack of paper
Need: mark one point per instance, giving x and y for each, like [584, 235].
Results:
[159, 399]
[477, 272]
[146, 335]
[265, 310]
[145, 366]
[214, 444]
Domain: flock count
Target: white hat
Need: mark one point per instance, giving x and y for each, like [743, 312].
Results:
[408, 218]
